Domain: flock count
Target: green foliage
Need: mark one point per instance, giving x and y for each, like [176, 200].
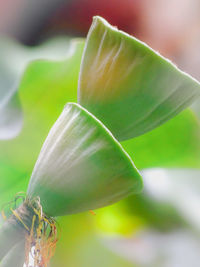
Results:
[128, 87]
[14, 59]
[44, 89]
[174, 144]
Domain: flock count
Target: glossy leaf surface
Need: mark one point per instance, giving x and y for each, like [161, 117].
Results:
[81, 166]
[127, 85]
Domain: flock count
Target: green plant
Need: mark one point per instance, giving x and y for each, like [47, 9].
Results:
[127, 90]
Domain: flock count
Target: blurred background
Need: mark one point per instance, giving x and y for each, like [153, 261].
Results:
[160, 227]
[171, 27]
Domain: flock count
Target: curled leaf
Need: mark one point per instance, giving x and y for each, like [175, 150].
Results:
[81, 166]
[127, 85]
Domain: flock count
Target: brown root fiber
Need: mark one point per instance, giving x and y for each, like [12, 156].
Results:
[40, 232]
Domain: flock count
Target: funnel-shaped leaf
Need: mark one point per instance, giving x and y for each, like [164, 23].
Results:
[81, 166]
[127, 85]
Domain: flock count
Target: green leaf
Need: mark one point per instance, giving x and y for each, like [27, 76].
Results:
[81, 166]
[127, 85]
[174, 144]
[14, 58]
[44, 89]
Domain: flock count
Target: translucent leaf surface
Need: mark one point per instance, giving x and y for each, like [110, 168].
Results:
[81, 166]
[127, 85]
[44, 89]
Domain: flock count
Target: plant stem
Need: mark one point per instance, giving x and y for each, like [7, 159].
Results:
[15, 257]
[10, 234]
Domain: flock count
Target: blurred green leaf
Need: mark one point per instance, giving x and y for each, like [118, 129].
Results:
[118, 220]
[81, 166]
[178, 188]
[169, 201]
[160, 216]
[13, 60]
[174, 144]
[44, 89]
[127, 85]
